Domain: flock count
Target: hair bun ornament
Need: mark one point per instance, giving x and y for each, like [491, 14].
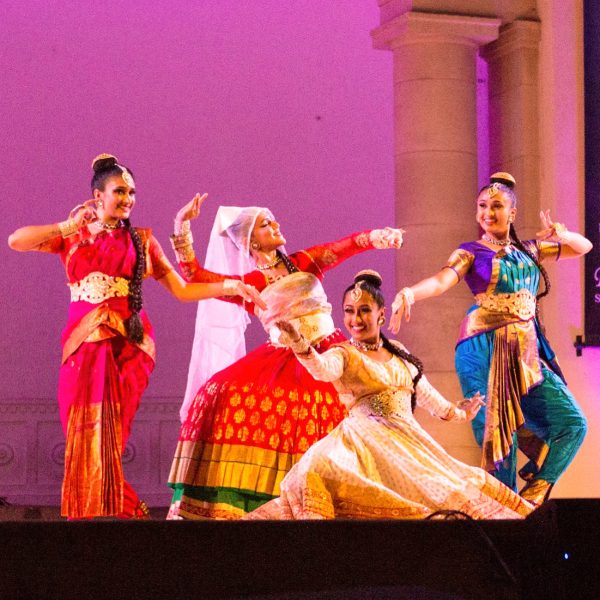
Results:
[370, 276]
[504, 178]
[103, 161]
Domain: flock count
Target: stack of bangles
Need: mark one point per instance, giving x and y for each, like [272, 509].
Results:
[182, 241]
[68, 227]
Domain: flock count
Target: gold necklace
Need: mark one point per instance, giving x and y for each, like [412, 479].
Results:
[366, 346]
[109, 226]
[269, 265]
[491, 240]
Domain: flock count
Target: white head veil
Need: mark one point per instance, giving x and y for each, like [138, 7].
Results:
[219, 338]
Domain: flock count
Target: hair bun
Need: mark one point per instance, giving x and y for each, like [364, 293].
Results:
[104, 161]
[370, 276]
[504, 178]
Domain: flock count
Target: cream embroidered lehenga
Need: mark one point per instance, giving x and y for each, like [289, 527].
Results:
[379, 462]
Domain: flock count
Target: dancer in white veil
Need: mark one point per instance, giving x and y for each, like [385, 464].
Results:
[247, 424]
[219, 336]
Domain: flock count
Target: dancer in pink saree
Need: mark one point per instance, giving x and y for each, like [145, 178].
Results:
[108, 345]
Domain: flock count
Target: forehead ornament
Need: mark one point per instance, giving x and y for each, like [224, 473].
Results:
[356, 291]
[493, 190]
[127, 178]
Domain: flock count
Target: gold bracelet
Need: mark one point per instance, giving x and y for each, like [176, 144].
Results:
[68, 228]
[230, 287]
[181, 227]
[300, 347]
[182, 240]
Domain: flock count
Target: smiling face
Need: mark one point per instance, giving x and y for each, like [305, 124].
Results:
[494, 213]
[266, 233]
[361, 317]
[117, 199]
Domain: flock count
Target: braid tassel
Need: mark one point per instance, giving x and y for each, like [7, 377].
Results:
[134, 325]
[412, 359]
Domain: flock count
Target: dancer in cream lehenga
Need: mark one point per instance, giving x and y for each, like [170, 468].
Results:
[379, 462]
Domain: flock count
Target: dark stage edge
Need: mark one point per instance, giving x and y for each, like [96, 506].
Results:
[555, 553]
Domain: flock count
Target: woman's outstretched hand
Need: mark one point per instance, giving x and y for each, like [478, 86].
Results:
[192, 209]
[236, 287]
[401, 305]
[389, 237]
[472, 405]
[289, 334]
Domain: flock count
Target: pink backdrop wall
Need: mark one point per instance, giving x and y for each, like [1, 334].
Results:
[268, 102]
[283, 104]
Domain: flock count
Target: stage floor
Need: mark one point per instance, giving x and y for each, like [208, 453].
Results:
[554, 553]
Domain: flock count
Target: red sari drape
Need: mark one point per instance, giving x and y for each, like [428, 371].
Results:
[103, 374]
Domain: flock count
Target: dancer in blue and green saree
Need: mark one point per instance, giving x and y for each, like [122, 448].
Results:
[501, 351]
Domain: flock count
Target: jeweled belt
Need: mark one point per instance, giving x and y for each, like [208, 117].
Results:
[384, 404]
[97, 287]
[520, 304]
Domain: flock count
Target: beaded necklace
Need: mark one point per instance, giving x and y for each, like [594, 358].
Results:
[364, 346]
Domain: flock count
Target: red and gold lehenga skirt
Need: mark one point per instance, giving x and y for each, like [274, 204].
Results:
[246, 428]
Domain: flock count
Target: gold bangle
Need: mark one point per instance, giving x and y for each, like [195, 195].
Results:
[300, 347]
[68, 228]
[182, 240]
[185, 254]
[230, 287]
[181, 227]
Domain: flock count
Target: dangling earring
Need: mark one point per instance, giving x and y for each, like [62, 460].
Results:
[99, 203]
[381, 321]
[255, 246]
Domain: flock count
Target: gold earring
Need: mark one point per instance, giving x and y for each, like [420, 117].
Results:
[100, 204]
[255, 246]
[381, 321]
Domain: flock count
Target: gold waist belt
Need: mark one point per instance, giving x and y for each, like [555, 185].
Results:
[520, 304]
[384, 404]
[97, 287]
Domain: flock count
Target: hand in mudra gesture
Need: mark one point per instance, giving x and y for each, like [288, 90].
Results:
[551, 231]
[472, 405]
[192, 209]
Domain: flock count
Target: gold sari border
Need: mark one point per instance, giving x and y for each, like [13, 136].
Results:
[99, 324]
[230, 466]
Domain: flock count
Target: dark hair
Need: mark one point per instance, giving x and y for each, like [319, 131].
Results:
[289, 265]
[106, 166]
[506, 183]
[370, 282]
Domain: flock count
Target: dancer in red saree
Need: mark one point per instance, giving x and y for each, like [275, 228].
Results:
[108, 345]
[246, 424]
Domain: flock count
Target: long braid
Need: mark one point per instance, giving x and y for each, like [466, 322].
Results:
[289, 265]
[521, 246]
[412, 359]
[134, 325]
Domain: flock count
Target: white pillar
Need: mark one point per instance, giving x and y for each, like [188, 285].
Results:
[514, 125]
[435, 166]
